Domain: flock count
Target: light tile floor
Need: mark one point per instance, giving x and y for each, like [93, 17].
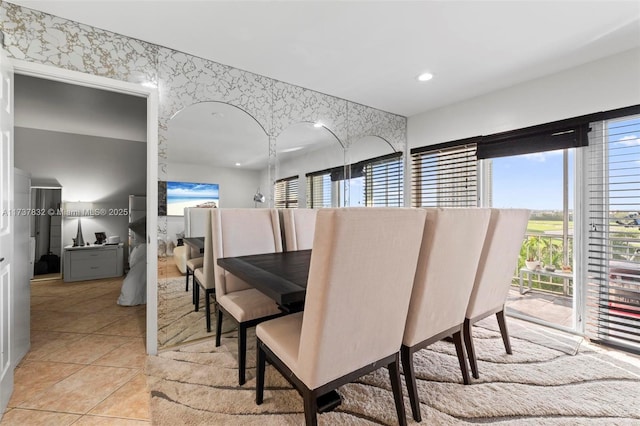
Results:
[85, 365]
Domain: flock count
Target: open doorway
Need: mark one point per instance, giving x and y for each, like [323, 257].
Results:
[543, 284]
[97, 160]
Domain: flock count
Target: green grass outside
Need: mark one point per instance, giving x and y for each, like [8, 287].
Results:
[542, 226]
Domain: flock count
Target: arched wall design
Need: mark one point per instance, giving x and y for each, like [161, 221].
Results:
[184, 79]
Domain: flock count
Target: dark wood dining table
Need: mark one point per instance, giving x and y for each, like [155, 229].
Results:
[195, 242]
[281, 276]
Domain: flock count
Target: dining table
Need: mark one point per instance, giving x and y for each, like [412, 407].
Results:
[283, 277]
[196, 243]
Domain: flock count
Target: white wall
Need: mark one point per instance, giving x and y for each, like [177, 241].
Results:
[93, 169]
[236, 187]
[62, 107]
[610, 83]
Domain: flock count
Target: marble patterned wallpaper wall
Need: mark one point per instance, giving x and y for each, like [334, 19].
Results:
[184, 79]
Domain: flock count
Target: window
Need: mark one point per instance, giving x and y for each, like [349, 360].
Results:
[383, 181]
[286, 193]
[319, 189]
[613, 255]
[444, 175]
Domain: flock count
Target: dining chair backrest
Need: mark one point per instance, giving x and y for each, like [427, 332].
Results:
[449, 255]
[498, 260]
[195, 225]
[299, 227]
[207, 262]
[362, 267]
[242, 232]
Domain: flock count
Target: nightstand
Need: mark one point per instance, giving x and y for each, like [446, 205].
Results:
[93, 262]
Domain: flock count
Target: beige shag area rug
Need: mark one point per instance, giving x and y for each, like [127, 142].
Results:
[551, 378]
[178, 322]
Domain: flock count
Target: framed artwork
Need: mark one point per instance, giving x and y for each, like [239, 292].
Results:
[178, 195]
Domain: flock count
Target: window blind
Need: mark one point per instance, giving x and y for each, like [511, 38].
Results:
[613, 260]
[383, 177]
[286, 193]
[444, 175]
[319, 187]
[539, 138]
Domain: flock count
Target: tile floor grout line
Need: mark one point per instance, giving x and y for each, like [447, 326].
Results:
[129, 320]
[111, 394]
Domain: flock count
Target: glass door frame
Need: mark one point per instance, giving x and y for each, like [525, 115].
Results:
[579, 236]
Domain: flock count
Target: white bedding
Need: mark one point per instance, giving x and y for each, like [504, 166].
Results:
[134, 286]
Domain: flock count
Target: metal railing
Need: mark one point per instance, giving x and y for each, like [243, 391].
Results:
[549, 250]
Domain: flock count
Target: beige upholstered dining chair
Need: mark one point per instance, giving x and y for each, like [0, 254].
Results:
[498, 262]
[362, 268]
[195, 225]
[299, 226]
[191, 266]
[203, 276]
[242, 232]
[451, 247]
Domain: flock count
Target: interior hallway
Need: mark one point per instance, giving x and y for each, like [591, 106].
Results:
[85, 365]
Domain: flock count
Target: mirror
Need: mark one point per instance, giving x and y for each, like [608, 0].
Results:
[362, 179]
[46, 232]
[213, 143]
[311, 149]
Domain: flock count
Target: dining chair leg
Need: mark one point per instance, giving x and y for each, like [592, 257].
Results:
[207, 309]
[187, 281]
[310, 408]
[394, 376]
[410, 379]
[468, 342]
[462, 359]
[261, 361]
[503, 331]
[218, 327]
[196, 295]
[194, 288]
[242, 353]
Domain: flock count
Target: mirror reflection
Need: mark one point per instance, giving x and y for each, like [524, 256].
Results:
[375, 174]
[46, 233]
[208, 143]
[217, 143]
[310, 162]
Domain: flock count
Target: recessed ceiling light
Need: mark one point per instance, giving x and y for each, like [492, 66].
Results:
[425, 76]
[318, 124]
[238, 164]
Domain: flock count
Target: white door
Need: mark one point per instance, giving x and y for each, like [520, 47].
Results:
[21, 267]
[6, 227]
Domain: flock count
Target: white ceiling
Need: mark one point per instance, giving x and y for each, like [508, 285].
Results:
[371, 51]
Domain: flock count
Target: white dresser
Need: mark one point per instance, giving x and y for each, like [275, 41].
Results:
[93, 262]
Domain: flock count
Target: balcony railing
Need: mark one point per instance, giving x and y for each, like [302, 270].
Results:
[550, 250]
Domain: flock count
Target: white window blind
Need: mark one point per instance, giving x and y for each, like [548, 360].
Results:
[444, 176]
[286, 193]
[613, 260]
[383, 181]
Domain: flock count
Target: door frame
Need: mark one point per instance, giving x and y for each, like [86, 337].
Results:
[150, 92]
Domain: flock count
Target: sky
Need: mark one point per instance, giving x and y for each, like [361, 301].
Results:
[534, 181]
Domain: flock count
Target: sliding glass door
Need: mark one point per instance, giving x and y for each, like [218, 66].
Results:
[543, 182]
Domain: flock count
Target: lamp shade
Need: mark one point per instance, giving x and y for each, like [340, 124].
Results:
[78, 209]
